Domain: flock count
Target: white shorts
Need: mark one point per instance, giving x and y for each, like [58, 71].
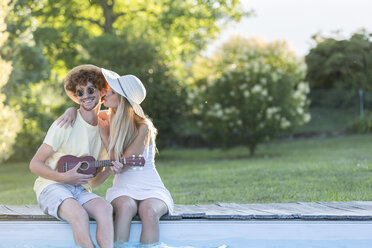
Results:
[53, 195]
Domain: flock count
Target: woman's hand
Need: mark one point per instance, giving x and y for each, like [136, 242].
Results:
[104, 129]
[117, 168]
[68, 118]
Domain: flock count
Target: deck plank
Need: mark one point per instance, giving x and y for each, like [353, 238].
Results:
[354, 210]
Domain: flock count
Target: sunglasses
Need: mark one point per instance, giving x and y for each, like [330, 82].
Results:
[90, 90]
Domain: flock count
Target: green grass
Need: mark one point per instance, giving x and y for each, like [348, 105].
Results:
[318, 169]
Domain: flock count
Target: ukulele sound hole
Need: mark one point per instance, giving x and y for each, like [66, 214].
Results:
[84, 166]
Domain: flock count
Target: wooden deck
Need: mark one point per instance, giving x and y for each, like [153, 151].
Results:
[355, 210]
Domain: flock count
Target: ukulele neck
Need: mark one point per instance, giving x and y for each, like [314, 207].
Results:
[104, 163]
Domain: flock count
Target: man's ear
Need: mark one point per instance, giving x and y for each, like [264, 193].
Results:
[103, 92]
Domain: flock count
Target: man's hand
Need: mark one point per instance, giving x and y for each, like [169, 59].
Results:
[76, 178]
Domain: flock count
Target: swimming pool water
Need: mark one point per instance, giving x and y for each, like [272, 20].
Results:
[208, 244]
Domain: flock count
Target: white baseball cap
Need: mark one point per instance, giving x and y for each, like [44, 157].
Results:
[128, 86]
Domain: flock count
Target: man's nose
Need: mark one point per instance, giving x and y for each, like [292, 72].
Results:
[86, 94]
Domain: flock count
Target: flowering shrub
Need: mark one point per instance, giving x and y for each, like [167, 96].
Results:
[9, 127]
[249, 92]
[9, 121]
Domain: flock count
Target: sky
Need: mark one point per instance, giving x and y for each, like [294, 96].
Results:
[298, 20]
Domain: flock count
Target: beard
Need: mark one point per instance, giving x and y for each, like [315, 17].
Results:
[90, 106]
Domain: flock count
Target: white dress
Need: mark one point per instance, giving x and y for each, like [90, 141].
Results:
[141, 183]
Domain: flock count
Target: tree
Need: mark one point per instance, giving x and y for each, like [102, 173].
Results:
[165, 102]
[181, 28]
[30, 80]
[9, 121]
[341, 64]
[248, 92]
[49, 37]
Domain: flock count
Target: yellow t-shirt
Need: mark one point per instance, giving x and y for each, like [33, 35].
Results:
[80, 140]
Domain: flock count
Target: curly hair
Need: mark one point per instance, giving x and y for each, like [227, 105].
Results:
[83, 76]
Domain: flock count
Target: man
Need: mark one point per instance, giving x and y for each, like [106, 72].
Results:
[67, 195]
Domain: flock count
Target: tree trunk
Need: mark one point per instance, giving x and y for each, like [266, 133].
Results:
[252, 149]
[108, 14]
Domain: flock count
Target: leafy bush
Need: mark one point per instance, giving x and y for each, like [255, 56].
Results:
[334, 98]
[362, 124]
[35, 97]
[342, 64]
[248, 92]
[40, 104]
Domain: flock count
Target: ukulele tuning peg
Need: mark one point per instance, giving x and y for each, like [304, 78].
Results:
[140, 155]
[133, 155]
[140, 168]
[134, 168]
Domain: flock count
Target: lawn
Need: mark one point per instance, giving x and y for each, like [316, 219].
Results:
[317, 169]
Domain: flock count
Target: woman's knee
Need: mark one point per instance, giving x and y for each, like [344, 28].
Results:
[148, 213]
[125, 205]
[152, 209]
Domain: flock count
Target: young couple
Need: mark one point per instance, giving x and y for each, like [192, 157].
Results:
[122, 131]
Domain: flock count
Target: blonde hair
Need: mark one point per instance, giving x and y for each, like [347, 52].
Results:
[124, 125]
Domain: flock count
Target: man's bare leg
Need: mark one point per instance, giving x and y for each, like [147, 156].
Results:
[101, 211]
[71, 211]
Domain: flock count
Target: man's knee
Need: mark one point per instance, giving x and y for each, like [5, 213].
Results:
[105, 211]
[72, 211]
[99, 209]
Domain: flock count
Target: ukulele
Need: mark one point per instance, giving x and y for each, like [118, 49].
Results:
[89, 165]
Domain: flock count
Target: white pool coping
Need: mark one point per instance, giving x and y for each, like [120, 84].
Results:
[300, 224]
[196, 230]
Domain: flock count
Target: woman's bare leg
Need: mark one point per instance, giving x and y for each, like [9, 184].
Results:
[125, 208]
[150, 210]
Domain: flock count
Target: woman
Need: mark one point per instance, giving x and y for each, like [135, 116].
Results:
[126, 131]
